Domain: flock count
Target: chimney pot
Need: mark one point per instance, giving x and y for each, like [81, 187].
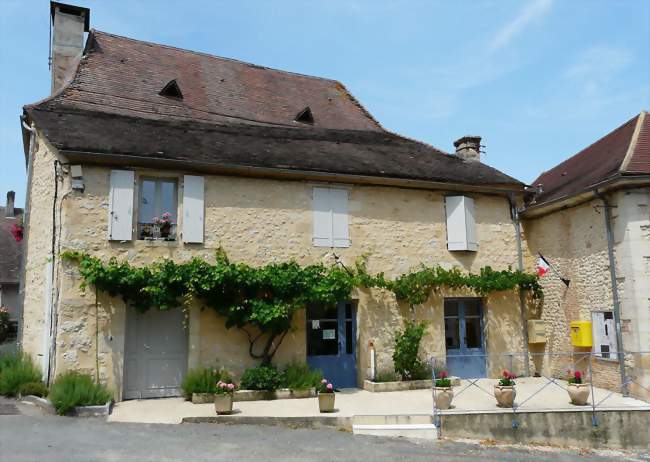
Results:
[69, 23]
[9, 209]
[469, 148]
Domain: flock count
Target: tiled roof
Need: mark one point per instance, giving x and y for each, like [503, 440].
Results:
[10, 250]
[624, 151]
[231, 113]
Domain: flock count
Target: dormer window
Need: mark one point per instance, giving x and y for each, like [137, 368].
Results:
[172, 89]
[305, 116]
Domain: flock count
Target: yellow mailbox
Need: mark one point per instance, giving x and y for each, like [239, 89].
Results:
[581, 333]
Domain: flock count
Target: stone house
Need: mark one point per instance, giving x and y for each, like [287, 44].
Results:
[269, 165]
[10, 256]
[590, 216]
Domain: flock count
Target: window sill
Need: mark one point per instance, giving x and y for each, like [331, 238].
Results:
[159, 242]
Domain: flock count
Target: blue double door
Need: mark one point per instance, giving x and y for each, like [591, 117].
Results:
[331, 342]
[464, 337]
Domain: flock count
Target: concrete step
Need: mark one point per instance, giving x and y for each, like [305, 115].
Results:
[406, 425]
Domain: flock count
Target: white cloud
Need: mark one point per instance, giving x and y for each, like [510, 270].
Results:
[534, 10]
[597, 66]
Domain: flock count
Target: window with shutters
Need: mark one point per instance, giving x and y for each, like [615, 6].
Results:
[157, 209]
[604, 334]
[331, 227]
[461, 225]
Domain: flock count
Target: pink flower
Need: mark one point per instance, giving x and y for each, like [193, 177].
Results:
[578, 375]
[324, 381]
[330, 386]
[442, 374]
[506, 374]
[231, 386]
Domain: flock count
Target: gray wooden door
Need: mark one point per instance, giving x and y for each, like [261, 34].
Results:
[155, 354]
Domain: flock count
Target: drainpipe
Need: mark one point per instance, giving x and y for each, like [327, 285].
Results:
[617, 303]
[514, 212]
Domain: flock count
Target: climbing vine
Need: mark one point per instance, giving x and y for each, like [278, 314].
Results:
[261, 301]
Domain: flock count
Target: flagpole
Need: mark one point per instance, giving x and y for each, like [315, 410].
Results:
[557, 273]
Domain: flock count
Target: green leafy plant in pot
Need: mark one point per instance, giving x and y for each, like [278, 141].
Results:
[504, 390]
[326, 396]
[223, 397]
[443, 393]
[578, 390]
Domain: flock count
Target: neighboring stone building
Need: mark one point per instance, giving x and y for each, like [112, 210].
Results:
[271, 166]
[10, 256]
[567, 221]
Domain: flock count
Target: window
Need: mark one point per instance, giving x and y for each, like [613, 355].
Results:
[604, 334]
[157, 209]
[331, 218]
[461, 226]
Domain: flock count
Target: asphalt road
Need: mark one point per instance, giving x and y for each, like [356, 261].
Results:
[36, 437]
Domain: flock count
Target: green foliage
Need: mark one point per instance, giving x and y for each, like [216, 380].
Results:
[33, 388]
[261, 301]
[507, 379]
[386, 376]
[407, 343]
[298, 376]
[265, 377]
[73, 389]
[442, 381]
[16, 370]
[203, 380]
[5, 324]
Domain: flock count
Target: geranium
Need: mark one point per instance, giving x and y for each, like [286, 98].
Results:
[17, 232]
[165, 220]
[575, 377]
[507, 379]
[442, 381]
[326, 387]
[225, 388]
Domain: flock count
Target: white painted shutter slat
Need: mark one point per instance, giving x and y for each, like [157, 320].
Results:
[597, 330]
[193, 209]
[470, 224]
[120, 207]
[456, 236]
[610, 337]
[322, 218]
[340, 221]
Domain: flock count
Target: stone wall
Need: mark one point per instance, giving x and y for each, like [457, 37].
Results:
[258, 221]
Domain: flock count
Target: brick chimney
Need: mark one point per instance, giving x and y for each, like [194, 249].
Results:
[69, 23]
[9, 209]
[469, 148]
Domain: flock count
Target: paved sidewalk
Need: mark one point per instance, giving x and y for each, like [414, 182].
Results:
[360, 402]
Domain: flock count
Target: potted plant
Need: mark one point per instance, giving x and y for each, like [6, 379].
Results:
[326, 396]
[17, 230]
[223, 396]
[504, 391]
[443, 393]
[578, 391]
[165, 224]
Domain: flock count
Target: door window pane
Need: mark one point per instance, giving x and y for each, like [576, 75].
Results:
[322, 312]
[168, 199]
[322, 338]
[349, 341]
[147, 201]
[451, 308]
[473, 332]
[472, 308]
[452, 338]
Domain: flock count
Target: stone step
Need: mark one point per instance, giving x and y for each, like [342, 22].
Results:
[405, 425]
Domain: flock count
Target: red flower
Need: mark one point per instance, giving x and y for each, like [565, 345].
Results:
[442, 374]
[578, 375]
[506, 374]
[17, 232]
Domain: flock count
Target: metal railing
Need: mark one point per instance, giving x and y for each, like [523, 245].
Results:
[548, 372]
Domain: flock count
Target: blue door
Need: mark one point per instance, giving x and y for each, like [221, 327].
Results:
[331, 344]
[464, 337]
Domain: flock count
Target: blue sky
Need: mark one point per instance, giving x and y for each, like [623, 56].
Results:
[538, 80]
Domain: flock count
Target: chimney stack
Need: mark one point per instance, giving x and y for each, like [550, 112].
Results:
[69, 23]
[9, 209]
[469, 148]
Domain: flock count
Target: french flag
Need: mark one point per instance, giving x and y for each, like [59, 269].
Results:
[542, 266]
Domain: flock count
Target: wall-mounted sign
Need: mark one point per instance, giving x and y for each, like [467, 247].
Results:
[329, 334]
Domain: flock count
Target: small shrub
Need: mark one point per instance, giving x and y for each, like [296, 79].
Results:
[33, 388]
[407, 343]
[298, 376]
[203, 380]
[16, 370]
[73, 389]
[5, 324]
[422, 371]
[261, 378]
[386, 376]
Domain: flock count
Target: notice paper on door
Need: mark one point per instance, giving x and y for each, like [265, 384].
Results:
[315, 324]
[329, 334]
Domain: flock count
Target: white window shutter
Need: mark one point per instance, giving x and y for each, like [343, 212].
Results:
[598, 331]
[610, 335]
[340, 222]
[461, 226]
[120, 207]
[322, 218]
[193, 208]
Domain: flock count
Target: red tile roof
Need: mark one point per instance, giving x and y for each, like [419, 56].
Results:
[125, 76]
[624, 151]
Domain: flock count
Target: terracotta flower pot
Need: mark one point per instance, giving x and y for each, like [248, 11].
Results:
[202, 398]
[443, 397]
[505, 395]
[326, 402]
[223, 403]
[579, 393]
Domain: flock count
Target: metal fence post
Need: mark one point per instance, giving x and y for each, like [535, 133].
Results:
[594, 420]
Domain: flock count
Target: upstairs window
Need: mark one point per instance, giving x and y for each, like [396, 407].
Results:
[157, 211]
